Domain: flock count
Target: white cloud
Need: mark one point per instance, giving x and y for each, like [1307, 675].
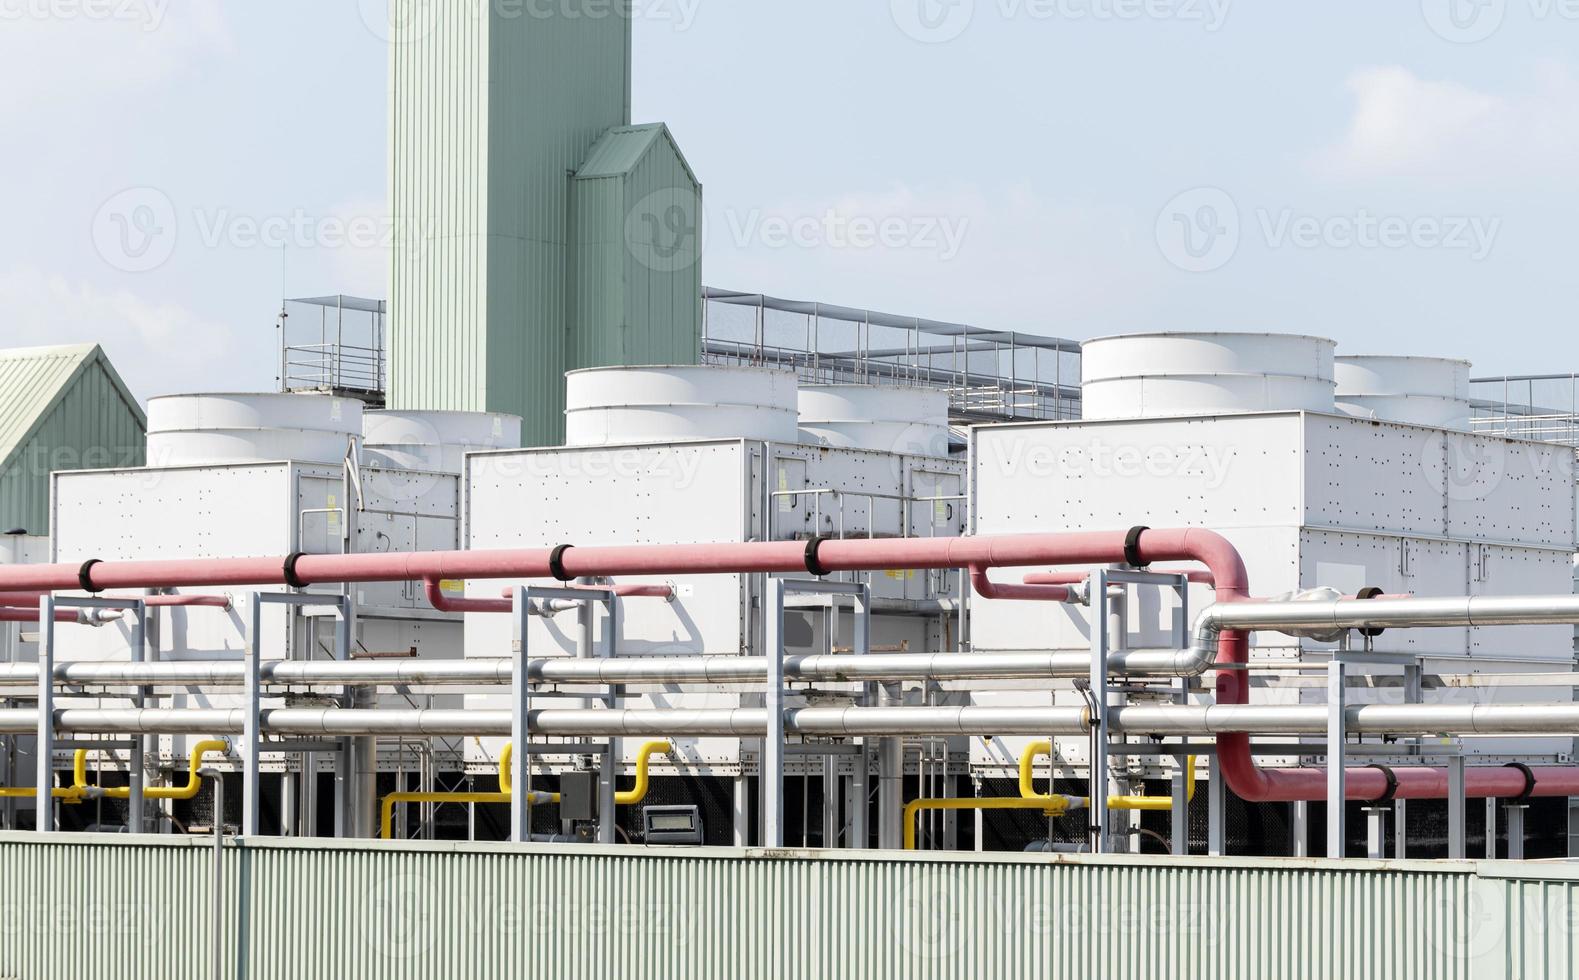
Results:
[157, 347]
[63, 54]
[1406, 126]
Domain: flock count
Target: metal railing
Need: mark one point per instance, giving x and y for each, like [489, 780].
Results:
[989, 375]
[336, 345]
[1542, 407]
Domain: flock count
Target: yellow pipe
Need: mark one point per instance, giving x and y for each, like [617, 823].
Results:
[79, 789]
[1053, 806]
[386, 822]
[1028, 791]
[634, 795]
[194, 782]
[638, 792]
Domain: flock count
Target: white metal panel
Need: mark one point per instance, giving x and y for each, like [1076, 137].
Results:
[1506, 571]
[691, 493]
[1215, 471]
[1349, 562]
[1363, 475]
[1507, 490]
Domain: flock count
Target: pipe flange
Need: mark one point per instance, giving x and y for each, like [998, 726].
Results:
[291, 578]
[1370, 592]
[556, 563]
[1529, 782]
[85, 576]
[1132, 548]
[1392, 783]
[814, 567]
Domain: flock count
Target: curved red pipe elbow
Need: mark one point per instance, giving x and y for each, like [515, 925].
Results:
[443, 603]
[988, 589]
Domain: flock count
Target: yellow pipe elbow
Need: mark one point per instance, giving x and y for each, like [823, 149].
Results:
[387, 816]
[1158, 803]
[506, 780]
[506, 793]
[1035, 750]
[638, 792]
[1053, 806]
[194, 782]
[79, 788]
[68, 794]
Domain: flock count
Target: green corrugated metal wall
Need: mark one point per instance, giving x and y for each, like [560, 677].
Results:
[494, 107]
[93, 423]
[140, 907]
[638, 278]
[438, 178]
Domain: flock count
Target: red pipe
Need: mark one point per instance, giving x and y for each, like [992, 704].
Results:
[638, 561]
[444, 603]
[643, 591]
[15, 615]
[988, 589]
[31, 600]
[1251, 782]
[1240, 771]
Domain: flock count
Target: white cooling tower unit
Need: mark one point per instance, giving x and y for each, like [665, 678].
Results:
[636, 405]
[434, 442]
[1430, 391]
[912, 421]
[206, 430]
[1158, 375]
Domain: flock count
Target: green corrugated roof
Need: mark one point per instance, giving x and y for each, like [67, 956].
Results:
[33, 380]
[618, 151]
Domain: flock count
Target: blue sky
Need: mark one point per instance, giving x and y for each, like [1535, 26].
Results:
[1397, 176]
